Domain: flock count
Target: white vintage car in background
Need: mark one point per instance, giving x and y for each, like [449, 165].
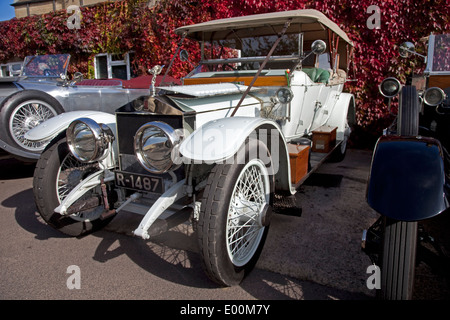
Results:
[262, 110]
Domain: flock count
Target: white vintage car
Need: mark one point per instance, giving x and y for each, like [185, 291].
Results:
[262, 110]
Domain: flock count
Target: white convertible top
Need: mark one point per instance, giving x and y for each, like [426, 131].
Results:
[312, 23]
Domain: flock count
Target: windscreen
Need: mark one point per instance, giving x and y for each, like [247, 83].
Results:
[250, 51]
[46, 66]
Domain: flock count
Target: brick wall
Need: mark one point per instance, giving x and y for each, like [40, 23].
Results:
[24, 8]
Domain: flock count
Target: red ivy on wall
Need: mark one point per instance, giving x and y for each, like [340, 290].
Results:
[127, 25]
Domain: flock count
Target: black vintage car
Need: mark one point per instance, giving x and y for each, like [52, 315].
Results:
[410, 172]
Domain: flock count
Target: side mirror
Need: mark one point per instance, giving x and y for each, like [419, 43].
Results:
[318, 47]
[406, 49]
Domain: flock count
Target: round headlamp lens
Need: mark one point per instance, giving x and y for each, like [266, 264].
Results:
[153, 146]
[88, 140]
[434, 96]
[284, 95]
[390, 87]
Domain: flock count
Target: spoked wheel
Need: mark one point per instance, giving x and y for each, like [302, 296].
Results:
[235, 216]
[57, 173]
[25, 110]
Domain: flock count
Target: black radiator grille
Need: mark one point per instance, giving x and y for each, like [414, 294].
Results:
[127, 125]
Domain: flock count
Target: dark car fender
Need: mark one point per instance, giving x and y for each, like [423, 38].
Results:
[407, 178]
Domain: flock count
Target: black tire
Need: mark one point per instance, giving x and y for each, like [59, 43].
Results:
[398, 257]
[17, 120]
[216, 214]
[398, 260]
[408, 112]
[47, 196]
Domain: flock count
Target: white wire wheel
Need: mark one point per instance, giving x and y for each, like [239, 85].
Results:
[235, 214]
[250, 195]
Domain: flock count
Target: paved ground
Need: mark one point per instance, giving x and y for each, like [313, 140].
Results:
[315, 256]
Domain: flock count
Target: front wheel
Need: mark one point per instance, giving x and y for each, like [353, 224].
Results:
[57, 173]
[400, 237]
[398, 259]
[234, 216]
[22, 112]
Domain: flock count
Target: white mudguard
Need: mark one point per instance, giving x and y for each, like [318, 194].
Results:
[219, 140]
[53, 126]
[343, 113]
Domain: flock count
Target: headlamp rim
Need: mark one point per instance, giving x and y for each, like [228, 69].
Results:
[168, 131]
[100, 143]
[291, 95]
[390, 79]
[442, 93]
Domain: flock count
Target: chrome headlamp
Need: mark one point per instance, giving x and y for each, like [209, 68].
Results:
[153, 145]
[390, 87]
[434, 96]
[87, 140]
[284, 95]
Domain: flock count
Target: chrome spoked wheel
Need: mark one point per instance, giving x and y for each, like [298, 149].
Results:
[235, 214]
[25, 117]
[244, 228]
[70, 174]
[57, 173]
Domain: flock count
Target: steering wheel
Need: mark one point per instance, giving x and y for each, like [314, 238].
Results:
[48, 73]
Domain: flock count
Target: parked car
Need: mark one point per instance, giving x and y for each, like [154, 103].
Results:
[409, 176]
[43, 91]
[215, 150]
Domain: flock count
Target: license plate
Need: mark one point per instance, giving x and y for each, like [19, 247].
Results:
[139, 182]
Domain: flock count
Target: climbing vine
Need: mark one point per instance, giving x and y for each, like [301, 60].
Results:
[130, 25]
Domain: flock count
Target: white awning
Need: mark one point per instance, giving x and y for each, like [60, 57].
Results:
[308, 21]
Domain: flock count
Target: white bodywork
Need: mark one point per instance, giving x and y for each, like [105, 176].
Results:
[216, 134]
[54, 126]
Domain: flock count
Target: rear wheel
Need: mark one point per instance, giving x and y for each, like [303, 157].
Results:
[400, 237]
[234, 217]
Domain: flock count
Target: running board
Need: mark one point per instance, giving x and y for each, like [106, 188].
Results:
[317, 159]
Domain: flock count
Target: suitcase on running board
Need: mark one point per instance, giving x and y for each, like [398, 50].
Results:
[324, 139]
[298, 156]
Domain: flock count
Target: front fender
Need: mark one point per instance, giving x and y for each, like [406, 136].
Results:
[219, 140]
[53, 126]
[407, 178]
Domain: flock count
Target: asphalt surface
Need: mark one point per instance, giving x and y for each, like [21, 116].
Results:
[314, 255]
